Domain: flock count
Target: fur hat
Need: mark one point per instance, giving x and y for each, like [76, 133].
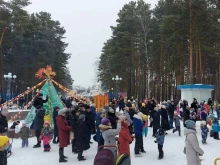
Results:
[62, 111]
[82, 117]
[190, 123]
[3, 140]
[111, 110]
[105, 121]
[126, 108]
[163, 106]
[4, 111]
[156, 108]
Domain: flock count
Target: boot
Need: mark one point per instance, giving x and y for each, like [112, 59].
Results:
[62, 157]
[80, 157]
[54, 141]
[37, 145]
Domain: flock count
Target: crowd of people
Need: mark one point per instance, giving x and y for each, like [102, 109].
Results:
[116, 126]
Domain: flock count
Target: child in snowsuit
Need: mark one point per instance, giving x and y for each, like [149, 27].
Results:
[138, 125]
[145, 127]
[215, 128]
[4, 144]
[177, 119]
[46, 136]
[204, 132]
[160, 135]
[25, 131]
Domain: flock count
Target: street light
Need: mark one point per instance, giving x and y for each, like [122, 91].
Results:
[116, 79]
[9, 78]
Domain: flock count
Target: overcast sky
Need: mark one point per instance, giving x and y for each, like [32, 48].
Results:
[87, 24]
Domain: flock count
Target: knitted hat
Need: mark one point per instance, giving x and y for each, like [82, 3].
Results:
[190, 123]
[82, 117]
[144, 117]
[105, 121]
[62, 111]
[203, 122]
[3, 140]
[140, 114]
[46, 122]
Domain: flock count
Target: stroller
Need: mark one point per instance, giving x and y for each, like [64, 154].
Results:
[106, 157]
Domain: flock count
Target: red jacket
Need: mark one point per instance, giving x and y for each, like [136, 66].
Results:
[63, 131]
[124, 139]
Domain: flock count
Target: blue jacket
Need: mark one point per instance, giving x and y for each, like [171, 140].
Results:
[92, 108]
[203, 116]
[138, 125]
[215, 127]
[204, 130]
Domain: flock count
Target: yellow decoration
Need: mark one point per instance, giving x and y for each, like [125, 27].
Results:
[48, 72]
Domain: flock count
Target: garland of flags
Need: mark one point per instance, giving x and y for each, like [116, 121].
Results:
[22, 94]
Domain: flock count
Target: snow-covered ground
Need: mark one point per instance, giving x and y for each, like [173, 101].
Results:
[173, 150]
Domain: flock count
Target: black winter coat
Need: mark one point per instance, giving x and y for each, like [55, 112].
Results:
[164, 120]
[3, 157]
[113, 120]
[82, 136]
[74, 123]
[3, 124]
[131, 113]
[39, 102]
[171, 110]
[39, 119]
[156, 119]
[90, 120]
[55, 113]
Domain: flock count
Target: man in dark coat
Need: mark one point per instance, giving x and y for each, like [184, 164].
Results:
[63, 133]
[90, 121]
[21, 102]
[195, 105]
[39, 102]
[82, 137]
[69, 102]
[112, 117]
[55, 132]
[15, 124]
[171, 110]
[38, 124]
[164, 119]
[186, 114]
[3, 121]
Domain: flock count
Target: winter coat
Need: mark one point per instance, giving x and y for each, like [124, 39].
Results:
[3, 124]
[46, 135]
[203, 115]
[92, 108]
[121, 104]
[129, 121]
[74, 122]
[98, 122]
[39, 119]
[124, 139]
[177, 120]
[204, 130]
[90, 120]
[193, 151]
[171, 110]
[14, 125]
[160, 138]
[113, 120]
[138, 125]
[156, 119]
[186, 114]
[164, 120]
[82, 136]
[55, 113]
[109, 137]
[39, 102]
[63, 131]
[215, 126]
[24, 132]
[132, 113]
[3, 157]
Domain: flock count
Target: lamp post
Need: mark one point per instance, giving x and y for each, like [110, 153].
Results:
[116, 79]
[9, 78]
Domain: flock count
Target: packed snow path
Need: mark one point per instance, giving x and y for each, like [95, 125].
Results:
[173, 152]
